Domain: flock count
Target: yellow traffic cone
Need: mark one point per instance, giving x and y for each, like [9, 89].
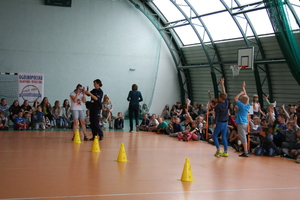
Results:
[187, 174]
[96, 146]
[122, 154]
[77, 137]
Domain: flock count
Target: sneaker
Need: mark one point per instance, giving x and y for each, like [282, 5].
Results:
[225, 154]
[137, 129]
[298, 160]
[244, 155]
[285, 151]
[218, 152]
[86, 139]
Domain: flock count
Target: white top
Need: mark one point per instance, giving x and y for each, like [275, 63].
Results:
[79, 104]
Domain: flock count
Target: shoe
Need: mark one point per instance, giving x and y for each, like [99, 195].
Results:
[91, 139]
[86, 139]
[244, 155]
[298, 160]
[137, 129]
[101, 138]
[130, 130]
[72, 137]
[110, 127]
[285, 151]
[225, 154]
[218, 152]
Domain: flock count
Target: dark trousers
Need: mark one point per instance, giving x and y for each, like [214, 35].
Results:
[94, 122]
[133, 110]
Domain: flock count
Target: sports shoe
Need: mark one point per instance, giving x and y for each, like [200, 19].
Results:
[298, 160]
[218, 152]
[244, 155]
[86, 139]
[137, 129]
[225, 154]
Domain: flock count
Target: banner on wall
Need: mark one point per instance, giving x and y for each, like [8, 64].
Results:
[30, 87]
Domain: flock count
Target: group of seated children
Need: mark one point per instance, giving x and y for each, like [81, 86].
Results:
[274, 133]
[192, 130]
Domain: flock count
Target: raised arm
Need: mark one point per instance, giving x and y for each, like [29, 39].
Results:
[267, 99]
[222, 85]
[285, 112]
[244, 87]
[209, 96]
[236, 98]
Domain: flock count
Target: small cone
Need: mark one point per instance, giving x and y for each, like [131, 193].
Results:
[96, 146]
[187, 174]
[122, 154]
[77, 137]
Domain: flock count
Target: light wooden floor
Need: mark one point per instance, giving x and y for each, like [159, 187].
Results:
[47, 165]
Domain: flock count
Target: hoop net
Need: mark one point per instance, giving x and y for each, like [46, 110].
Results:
[236, 69]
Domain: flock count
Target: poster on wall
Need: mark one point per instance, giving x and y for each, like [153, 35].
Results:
[30, 87]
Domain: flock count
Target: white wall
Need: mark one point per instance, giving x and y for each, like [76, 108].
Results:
[92, 39]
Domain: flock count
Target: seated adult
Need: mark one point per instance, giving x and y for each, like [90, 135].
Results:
[144, 110]
[267, 146]
[14, 110]
[25, 107]
[166, 112]
[107, 111]
[66, 114]
[177, 110]
[4, 107]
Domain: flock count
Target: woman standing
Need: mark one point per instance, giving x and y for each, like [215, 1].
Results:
[77, 101]
[95, 108]
[134, 97]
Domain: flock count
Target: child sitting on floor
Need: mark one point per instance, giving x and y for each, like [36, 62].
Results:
[119, 121]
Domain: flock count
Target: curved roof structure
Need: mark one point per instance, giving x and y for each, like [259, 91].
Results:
[196, 31]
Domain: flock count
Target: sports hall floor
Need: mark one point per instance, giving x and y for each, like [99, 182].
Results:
[47, 165]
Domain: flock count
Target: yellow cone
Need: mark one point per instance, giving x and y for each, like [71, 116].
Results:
[187, 174]
[77, 137]
[122, 154]
[96, 146]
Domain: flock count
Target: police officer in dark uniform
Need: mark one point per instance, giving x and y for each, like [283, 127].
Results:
[95, 108]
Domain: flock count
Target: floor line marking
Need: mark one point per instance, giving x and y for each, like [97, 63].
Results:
[155, 193]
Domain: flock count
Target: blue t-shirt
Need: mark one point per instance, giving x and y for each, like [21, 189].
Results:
[277, 133]
[145, 122]
[19, 120]
[242, 115]
[39, 116]
[134, 97]
[177, 128]
[221, 111]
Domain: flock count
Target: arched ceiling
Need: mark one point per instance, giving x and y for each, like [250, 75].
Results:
[207, 23]
[202, 22]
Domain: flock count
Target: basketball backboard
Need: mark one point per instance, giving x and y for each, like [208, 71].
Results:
[246, 57]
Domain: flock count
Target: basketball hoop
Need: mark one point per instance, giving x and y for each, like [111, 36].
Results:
[236, 69]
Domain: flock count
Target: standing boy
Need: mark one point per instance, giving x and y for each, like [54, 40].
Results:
[242, 117]
[221, 119]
